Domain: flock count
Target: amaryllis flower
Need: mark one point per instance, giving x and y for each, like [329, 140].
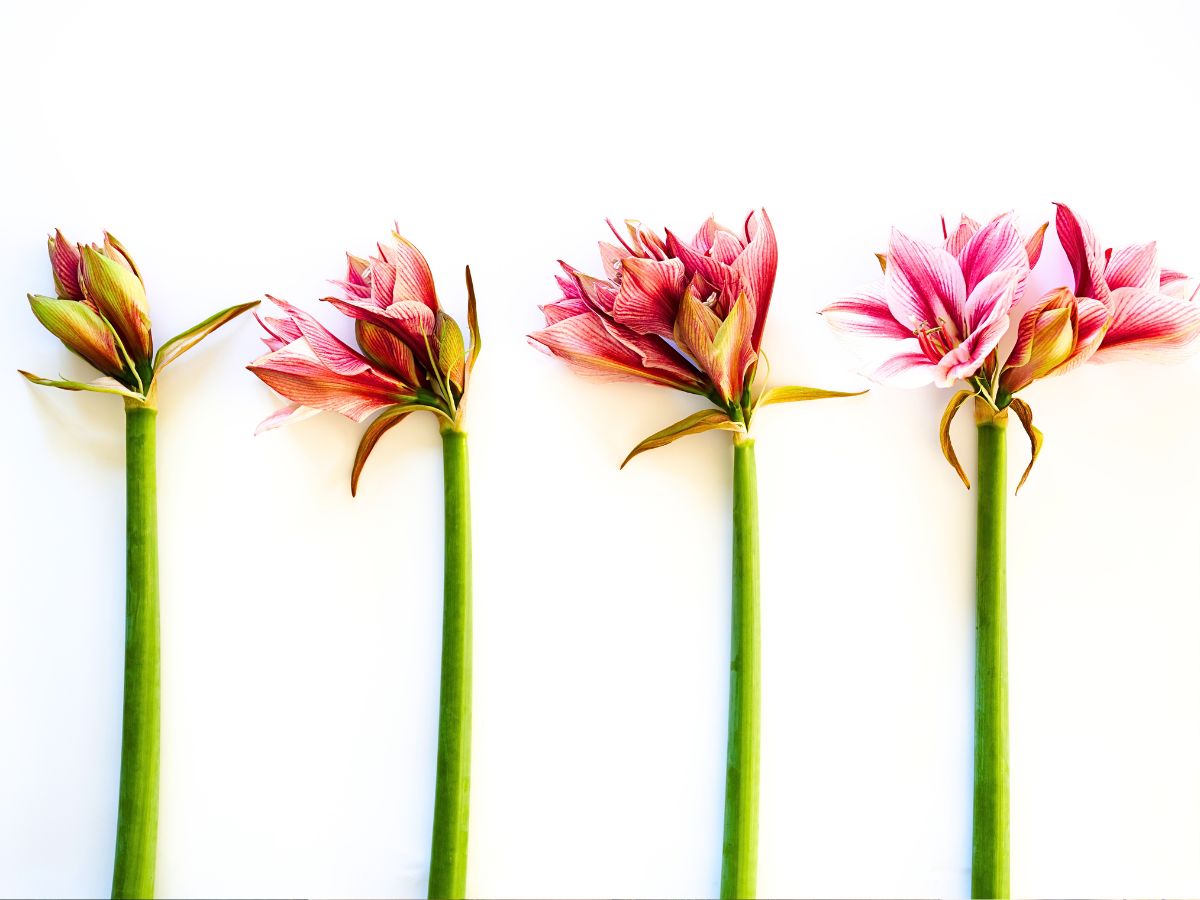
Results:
[410, 354]
[1147, 310]
[918, 328]
[100, 313]
[941, 310]
[690, 315]
[683, 314]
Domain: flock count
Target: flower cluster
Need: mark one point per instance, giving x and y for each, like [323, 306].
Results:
[411, 355]
[100, 313]
[945, 313]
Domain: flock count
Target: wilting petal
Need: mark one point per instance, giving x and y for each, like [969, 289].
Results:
[64, 261]
[755, 269]
[1083, 253]
[696, 423]
[285, 415]
[924, 286]
[117, 294]
[585, 344]
[649, 295]
[1147, 324]
[307, 382]
[413, 280]
[386, 420]
[995, 247]
[1135, 266]
[82, 331]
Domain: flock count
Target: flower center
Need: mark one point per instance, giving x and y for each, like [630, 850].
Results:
[933, 339]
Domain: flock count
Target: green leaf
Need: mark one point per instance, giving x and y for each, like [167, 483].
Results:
[472, 323]
[184, 341]
[795, 394]
[104, 385]
[391, 416]
[1025, 414]
[696, 423]
[944, 434]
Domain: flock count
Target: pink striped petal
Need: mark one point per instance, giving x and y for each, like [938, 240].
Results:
[64, 261]
[388, 351]
[648, 298]
[696, 262]
[866, 314]
[725, 247]
[280, 332]
[962, 234]
[1147, 324]
[562, 309]
[924, 286]
[909, 368]
[338, 356]
[1033, 246]
[413, 279]
[1083, 253]
[755, 269]
[994, 296]
[705, 235]
[654, 352]
[1173, 283]
[309, 383]
[995, 247]
[1135, 266]
[1092, 323]
[383, 281]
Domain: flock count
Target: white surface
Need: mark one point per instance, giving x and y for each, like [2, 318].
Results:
[241, 148]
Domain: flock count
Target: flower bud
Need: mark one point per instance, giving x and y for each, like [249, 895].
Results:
[112, 286]
[1046, 339]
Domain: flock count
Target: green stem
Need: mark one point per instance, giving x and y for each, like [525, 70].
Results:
[989, 833]
[137, 812]
[452, 797]
[739, 857]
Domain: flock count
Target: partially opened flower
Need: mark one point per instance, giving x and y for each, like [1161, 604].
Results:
[101, 314]
[690, 315]
[956, 314]
[410, 357]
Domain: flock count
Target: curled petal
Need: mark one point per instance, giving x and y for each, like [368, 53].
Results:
[1025, 414]
[866, 314]
[1083, 253]
[386, 420]
[309, 383]
[1033, 246]
[755, 269]
[944, 434]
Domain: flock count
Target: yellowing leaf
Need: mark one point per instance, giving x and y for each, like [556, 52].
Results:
[944, 434]
[1025, 414]
[696, 423]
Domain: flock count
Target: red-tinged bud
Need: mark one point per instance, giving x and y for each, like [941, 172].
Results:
[114, 289]
[64, 261]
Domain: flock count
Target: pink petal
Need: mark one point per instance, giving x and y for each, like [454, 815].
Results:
[293, 412]
[309, 383]
[562, 309]
[1173, 283]
[413, 279]
[383, 281]
[996, 246]
[1083, 252]
[865, 314]
[924, 286]
[388, 351]
[993, 297]
[649, 295]
[1093, 318]
[1033, 245]
[1135, 266]
[755, 269]
[338, 356]
[1145, 323]
[909, 368]
[64, 260]
[962, 234]
[725, 247]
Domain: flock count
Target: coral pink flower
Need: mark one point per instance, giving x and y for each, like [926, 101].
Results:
[685, 314]
[410, 356]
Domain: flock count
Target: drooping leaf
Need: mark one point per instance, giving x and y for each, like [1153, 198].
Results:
[796, 393]
[472, 323]
[104, 385]
[696, 423]
[1025, 414]
[181, 343]
[379, 426]
[944, 434]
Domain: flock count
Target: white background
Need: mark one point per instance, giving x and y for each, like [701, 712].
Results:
[241, 148]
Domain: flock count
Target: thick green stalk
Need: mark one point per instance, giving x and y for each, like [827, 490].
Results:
[452, 797]
[739, 857]
[989, 832]
[137, 812]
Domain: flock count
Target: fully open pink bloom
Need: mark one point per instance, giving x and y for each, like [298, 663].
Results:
[941, 310]
[687, 315]
[1147, 309]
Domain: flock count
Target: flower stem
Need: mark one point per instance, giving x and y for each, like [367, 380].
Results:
[137, 812]
[452, 797]
[989, 833]
[739, 858]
